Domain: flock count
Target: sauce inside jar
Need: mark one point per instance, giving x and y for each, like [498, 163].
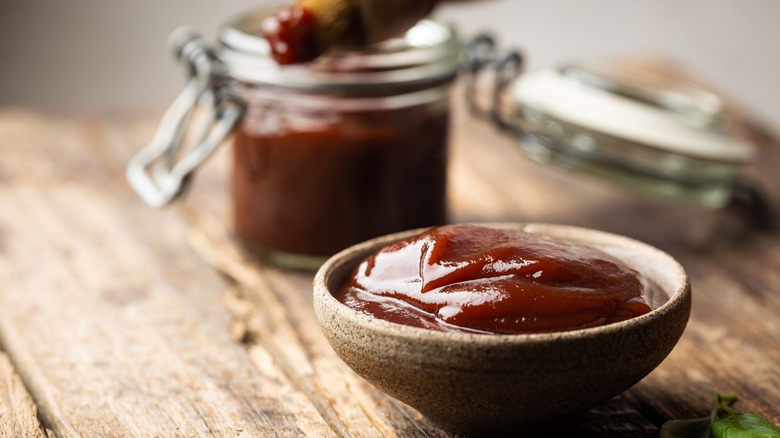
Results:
[316, 182]
[468, 278]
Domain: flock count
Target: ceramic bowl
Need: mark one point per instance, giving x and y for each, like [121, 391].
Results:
[478, 384]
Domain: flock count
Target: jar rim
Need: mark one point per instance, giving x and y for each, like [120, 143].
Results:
[429, 52]
[609, 97]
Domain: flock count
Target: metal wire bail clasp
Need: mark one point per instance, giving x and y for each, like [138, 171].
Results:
[159, 172]
[484, 56]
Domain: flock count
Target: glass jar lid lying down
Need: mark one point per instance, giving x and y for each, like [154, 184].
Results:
[631, 125]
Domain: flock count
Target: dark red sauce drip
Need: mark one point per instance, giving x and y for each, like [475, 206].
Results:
[477, 279]
[292, 35]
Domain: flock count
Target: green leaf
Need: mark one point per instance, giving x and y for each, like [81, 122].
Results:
[732, 425]
[693, 428]
[724, 401]
[744, 426]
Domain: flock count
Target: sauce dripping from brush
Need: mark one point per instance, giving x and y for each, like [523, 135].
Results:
[292, 35]
[465, 278]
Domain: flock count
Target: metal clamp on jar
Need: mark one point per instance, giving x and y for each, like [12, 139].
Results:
[326, 154]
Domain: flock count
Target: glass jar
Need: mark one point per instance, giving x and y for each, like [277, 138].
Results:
[326, 154]
[635, 127]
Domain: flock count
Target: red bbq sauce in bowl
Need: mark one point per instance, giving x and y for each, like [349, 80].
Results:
[469, 278]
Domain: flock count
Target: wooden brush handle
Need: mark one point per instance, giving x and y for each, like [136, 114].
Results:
[303, 30]
[383, 19]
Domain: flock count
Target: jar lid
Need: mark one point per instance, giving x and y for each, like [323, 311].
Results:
[635, 126]
[429, 51]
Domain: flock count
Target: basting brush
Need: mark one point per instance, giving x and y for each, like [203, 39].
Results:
[303, 30]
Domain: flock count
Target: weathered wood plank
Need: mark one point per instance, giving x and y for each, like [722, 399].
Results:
[731, 345]
[141, 321]
[276, 314]
[18, 413]
[114, 324]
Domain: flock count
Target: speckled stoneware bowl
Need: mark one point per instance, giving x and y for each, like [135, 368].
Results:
[479, 384]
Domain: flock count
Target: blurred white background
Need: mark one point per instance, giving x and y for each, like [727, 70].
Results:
[93, 55]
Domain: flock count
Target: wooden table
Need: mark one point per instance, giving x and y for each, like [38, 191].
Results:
[120, 320]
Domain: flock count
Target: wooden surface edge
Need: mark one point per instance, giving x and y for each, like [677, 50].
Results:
[18, 412]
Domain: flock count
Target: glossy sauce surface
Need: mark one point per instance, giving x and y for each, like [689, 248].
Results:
[292, 35]
[467, 278]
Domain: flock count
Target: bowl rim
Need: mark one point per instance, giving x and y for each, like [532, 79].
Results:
[588, 236]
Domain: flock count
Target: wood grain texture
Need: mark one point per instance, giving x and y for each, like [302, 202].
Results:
[127, 321]
[114, 325]
[18, 413]
[293, 338]
[733, 268]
